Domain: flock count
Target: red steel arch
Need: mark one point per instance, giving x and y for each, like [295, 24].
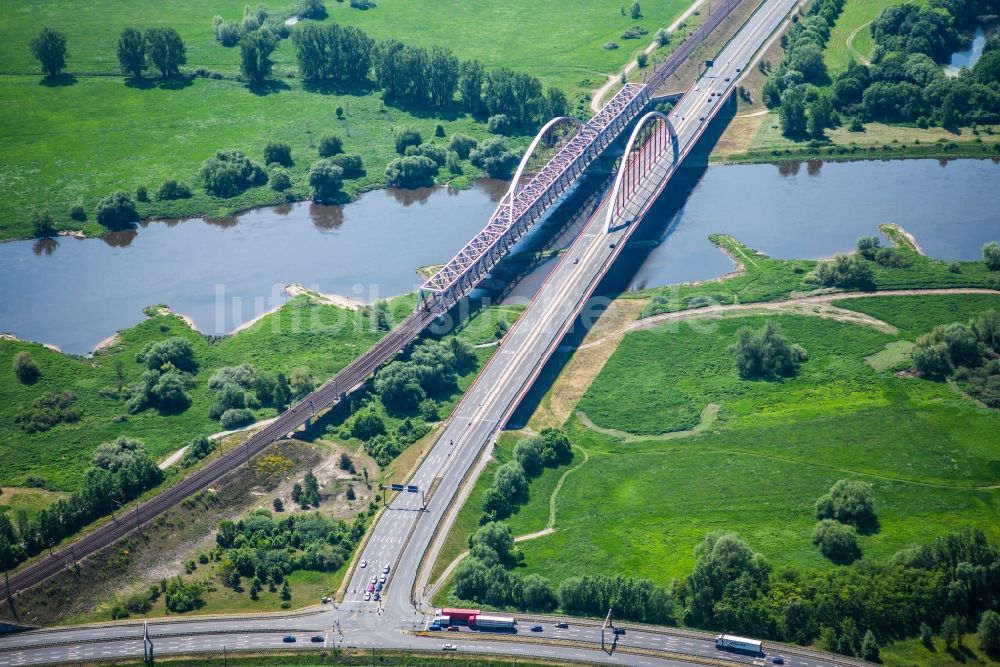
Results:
[652, 137]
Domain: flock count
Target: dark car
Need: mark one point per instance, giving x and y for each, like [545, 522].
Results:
[452, 628]
[536, 628]
[316, 639]
[288, 639]
[778, 660]
[562, 624]
[619, 631]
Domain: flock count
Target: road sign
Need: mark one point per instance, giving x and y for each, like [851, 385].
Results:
[397, 487]
[412, 488]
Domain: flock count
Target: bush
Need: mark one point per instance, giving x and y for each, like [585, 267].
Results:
[991, 255]
[367, 425]
[330, 144]
[850, 502]
[325, 177]
[494, 158]
[433, 152]
[609, 46]
[171, 189]
[345, 463]
[407, 137]
[837, 541]
[453, 163]
[280, 180]
[499, 124]
[78, 214]
[642, 59]
[351, 164]
[117, 210]
[197, 449]
[228, 173]
[411, 172]
[462, 144]
[278, 151]
[439, 131]
[47, 411]
[635, 32]
[765, 353]
[312, 9]
[893, 258]
[868, 246]
[176, 351]
[141, 193]
[235, 418]
[845, 271]
[25, 367]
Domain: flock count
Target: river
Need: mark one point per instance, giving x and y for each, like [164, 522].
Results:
[73, 293]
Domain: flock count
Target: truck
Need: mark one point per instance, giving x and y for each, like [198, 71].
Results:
[441, 621]
[458, 615]
[734, 643]
[484, 622]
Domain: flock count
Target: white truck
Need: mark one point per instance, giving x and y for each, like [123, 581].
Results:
[484, 622]
[734, 643]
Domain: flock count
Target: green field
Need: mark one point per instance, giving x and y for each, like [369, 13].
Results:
[68, 145]
[639, 509]
[850, 36]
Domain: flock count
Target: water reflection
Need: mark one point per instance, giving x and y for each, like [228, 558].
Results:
[408, 197]
[788, 168]
[122, 238]
[325, 216]
[45, 246]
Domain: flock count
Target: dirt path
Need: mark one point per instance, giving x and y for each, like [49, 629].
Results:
[850, 43]
[708, 416]
[818, 305]
[613, 79]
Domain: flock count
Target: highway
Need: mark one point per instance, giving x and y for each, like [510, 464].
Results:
[408, 535]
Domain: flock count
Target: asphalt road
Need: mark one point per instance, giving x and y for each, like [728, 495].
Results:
[407, 530]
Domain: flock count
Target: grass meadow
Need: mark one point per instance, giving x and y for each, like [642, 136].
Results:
[850, 36]
[639, 509]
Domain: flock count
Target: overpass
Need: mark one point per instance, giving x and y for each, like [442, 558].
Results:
[409, 533]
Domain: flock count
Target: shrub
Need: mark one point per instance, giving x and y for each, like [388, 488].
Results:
[280, 180]
[991, 255]
[25, 367]
[171, 189]
[989, 632]
[236, 417]
[662, 37]
[278, 505]
[330, 144]
[117, 210]
[351, 164]
[47, 411]
[325, 177]
[345, 463]
[954, 267]
[433, 152]
[453, 163]
[439, 131]
[868, 246]
[499, 124]
[312, 9]
[278, 151]
[494, 158]
[642, 59]
[893, 258]
[609, 46]
[42, 225]
[848, 501]
[635, 32]
[765, 353]
[363, 4]
[176, 351]
[196, 450]
[462, 144]
[407, 137]
[837, 541]
[846, 271]
[411, 172]
[367, 425]
[78, 214]
[141, 193]
[228, 173]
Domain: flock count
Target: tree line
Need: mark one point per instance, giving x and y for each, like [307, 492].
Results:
[965, 352]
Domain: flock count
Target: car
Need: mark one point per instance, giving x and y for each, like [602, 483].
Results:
[385, 570]
[701, 119]
[434, 627]
[316, 639]
[449, 647]
[619, 631]
[364, 563]
[288, 639]
[778, 660]
[740, 69]
[325, 600]
[727, 78]
[368, 596]
[379, 586]
[381, 579]
[576, 260]
[697, 88]
[452, 628]
[562, 624]
[376, 596]
[536, 628]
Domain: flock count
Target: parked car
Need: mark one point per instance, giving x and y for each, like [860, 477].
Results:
[325, 600]
[316, 639]
[449, 647]
[368, 596]
[536, 628]
[376, 596]
[288, 639]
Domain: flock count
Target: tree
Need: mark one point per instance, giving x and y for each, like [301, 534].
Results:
[166, 50]
[25, 367]
[296, 492]
[722, 560]
[991, 255]
[926, 635]
[330, 144]
[171, 189]
[845, 271]
[312, 9]
[528, 453]
[398, 385]
[539, 594]
[443, 72]
[868, 246]
[345, 463]
[989, 632]
[407, 137]
[310, 489]
[470, 85]
[493, 157]
[279, 152]
[117, 210]
[301, 381]
[951, 630]
[819, 114]
[849, 501]
[50, 49]
[792, 113]
[494, 540]
[367, 425]
[255, 55]
[230, 172]
[636, 11]
[765, 353]
[42, 225]
[662, 37]
[413, 171]
[837, 541]
[176, 351]
[131, 52]
[325, 178]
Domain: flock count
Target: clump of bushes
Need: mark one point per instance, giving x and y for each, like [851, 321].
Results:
[325, 177]
[78, 213]
[765, 353]
[849, 502]
[499, 124]
[176, 351]
[837, 541]
[350, 164]
[635, 32]
[462, 144]
[407, 137]
[845, 271]
[495, 158]
[230, 172]
[280, 180]
[235, 418]
[117, 210]
[330, 144]
[278, 151]
[412, 171]
[47, 411]
[172, 189]
[548, 449]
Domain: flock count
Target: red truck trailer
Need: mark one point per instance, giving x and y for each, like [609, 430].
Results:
[460, 615]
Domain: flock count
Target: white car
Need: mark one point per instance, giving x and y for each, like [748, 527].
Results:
[368, 596]
[381, 579]
[364, 563]
[385, 570]
[449, 647]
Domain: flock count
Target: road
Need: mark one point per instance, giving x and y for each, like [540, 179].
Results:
[408, 535]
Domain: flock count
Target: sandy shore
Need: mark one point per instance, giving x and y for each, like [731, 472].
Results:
[9, 336]
[331, 299]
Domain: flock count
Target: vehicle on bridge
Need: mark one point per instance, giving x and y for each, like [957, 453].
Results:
[458, 615]
[485, 622]
[734, 643]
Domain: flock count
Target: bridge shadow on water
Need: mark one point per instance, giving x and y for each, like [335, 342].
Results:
[655, 228]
